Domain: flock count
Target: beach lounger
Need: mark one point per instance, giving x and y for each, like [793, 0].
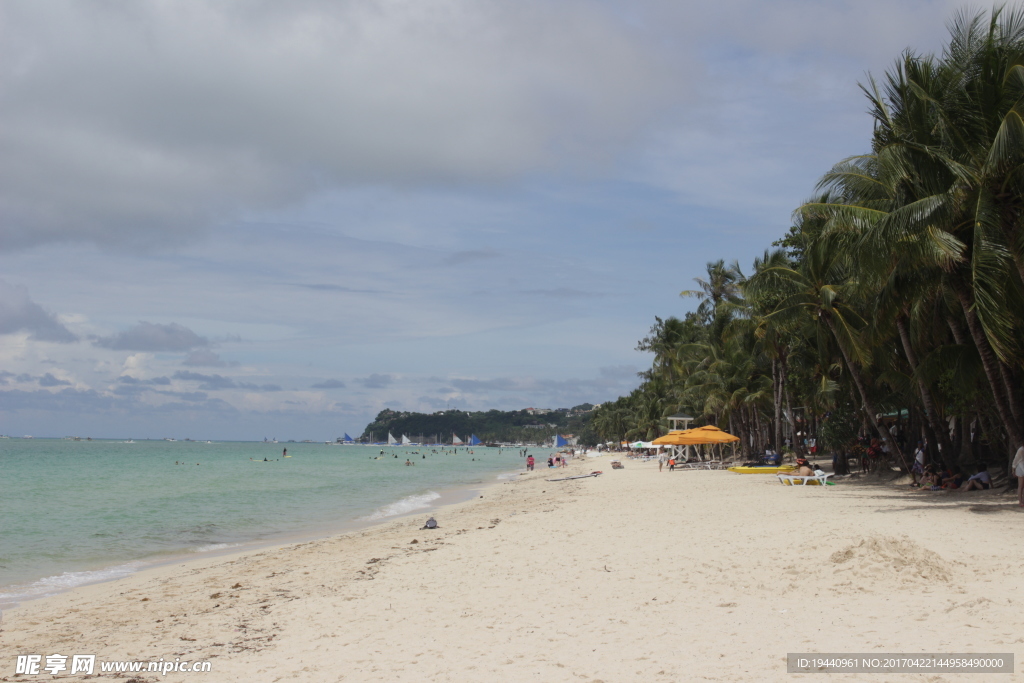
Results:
[792, 479]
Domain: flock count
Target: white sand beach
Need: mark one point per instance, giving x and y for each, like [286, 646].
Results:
[636, 575]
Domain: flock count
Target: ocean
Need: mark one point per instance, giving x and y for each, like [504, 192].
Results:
[77, 512]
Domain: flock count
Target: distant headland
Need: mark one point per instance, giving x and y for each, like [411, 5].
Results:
[514, 426]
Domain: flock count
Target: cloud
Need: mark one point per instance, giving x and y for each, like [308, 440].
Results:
[204, 358]
[153, 337]
[460, 257]
[497, 384]
[623, 372]
[18, 313]
[219, 382]
[49, 380]
[210, 382]
[563, 293]
[210, 109]
[327, 287]
[376, 381]
[156, 381]
[190, 396]
[329, 384]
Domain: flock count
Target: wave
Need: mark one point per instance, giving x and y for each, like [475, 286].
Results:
[211, 547]
[508, 475]
[403, 506]
[52, 585]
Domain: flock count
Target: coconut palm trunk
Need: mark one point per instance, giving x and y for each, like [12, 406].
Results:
[931, 414]
[990, 363]
[868, 405]
[777, 396]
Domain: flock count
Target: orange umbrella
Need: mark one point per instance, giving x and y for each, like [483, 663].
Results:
[699, 435]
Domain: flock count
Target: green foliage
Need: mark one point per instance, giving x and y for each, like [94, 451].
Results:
[489, 426]
[900, 283]
[838, 430]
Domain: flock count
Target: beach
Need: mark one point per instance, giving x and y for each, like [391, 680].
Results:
[633, 575]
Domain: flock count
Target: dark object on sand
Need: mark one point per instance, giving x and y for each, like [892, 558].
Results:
[582, 476]
[431, 524]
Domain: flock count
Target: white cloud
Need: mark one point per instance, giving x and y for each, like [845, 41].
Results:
[134, 121]
[153, 337]
[18, 313]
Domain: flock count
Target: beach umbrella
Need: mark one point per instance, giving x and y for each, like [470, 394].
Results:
[708, 434]
[675, 438]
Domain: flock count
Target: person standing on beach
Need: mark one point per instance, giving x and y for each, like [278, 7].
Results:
[661, 460]
[917, 469]
[529, 463]
[1018, 471]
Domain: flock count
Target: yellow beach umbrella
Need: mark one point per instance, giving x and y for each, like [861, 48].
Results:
[675, 438]
[699, 435]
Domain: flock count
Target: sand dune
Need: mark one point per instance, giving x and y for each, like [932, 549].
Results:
[634, 575]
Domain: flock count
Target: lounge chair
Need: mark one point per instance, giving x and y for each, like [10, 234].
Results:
[792, 479]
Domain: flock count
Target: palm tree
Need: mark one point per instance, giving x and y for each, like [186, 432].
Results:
[821, 287]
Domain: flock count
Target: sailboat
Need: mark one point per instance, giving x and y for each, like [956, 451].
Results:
[405, 440]
[456, 441]
[560, 442]
[474, 441]
[347, 439]
[392, 440]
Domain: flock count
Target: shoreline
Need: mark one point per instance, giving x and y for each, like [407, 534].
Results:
[633, 575]
[117, 572]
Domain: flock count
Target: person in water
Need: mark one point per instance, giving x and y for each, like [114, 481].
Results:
[285, 453]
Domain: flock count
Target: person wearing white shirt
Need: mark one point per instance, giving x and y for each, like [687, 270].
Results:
[979, 482]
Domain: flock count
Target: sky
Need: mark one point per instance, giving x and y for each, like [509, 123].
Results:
[238, 220]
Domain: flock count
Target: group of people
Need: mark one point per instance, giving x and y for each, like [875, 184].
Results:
[936, 477]
[946, 478]
[559, 460]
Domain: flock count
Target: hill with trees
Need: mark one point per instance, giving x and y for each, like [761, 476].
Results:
[489, 426]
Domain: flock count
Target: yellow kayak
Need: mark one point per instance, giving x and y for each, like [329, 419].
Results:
[773, 469]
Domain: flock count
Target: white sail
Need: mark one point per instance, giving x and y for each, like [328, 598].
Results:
[456, 441]
[391, 440]
[405, 440]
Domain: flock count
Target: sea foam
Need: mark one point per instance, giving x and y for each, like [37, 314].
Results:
[211, 547]
[404, 505]
[52, 585]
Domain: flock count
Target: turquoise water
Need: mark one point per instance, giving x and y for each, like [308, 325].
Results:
[74, 512]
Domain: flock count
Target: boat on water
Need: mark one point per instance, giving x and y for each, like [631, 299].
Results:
[763, 469]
